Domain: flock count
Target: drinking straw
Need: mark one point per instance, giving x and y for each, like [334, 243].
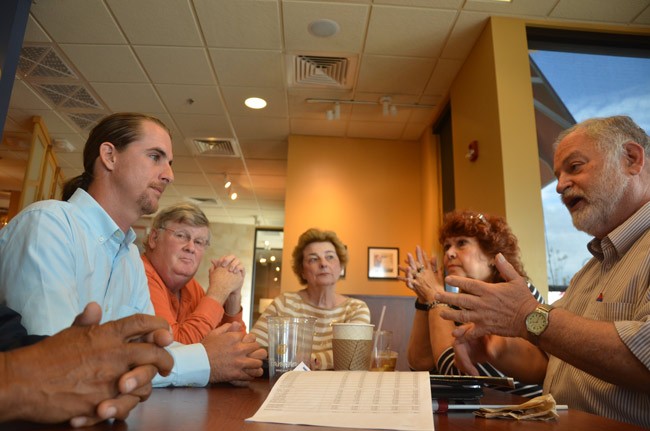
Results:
[381, 320]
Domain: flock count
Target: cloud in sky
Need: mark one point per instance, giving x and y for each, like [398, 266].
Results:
[590, 86]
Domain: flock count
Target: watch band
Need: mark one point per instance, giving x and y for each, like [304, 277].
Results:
[426, 307]
[422, 307]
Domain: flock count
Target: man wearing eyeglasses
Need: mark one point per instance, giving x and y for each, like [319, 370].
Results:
[174, 250]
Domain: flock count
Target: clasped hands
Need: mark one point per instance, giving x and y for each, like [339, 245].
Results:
[226, 278]
[89, 372]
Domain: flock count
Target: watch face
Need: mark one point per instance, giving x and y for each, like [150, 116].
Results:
[536, 322]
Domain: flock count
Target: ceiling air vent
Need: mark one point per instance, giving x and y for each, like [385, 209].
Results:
[216, 147]
[202, 201]
[43, 62]
[85, 121]
[68, 95]
[321, 71]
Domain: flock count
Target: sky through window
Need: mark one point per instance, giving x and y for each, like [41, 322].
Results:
[590, 86]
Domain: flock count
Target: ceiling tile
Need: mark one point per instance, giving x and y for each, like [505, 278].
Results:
[599, 10]
[34, 32]
[267, 167]
[213, 211]
[539, 8]
[169, 22]
[318, 127]
[23, 97]
[643, 18]
[261, 128]
[394, 74]
[264, 149]
[191, 99]
[195, 191]
[190, 65]
[71, 172]
[189, 179]
[52, 119]
[248, 68]
[409, 32]
[240, 23]
[203, 126]
[129, 97]
[414, 131]
[438, 4]
[442, 77]
[221, 165]
[69, 21]
[463, 36]
[105, 63]
[351, 18]
[421, 115]
[274, 204]
[70, 159]
[371, 113]
[269, 182]
[185, 164]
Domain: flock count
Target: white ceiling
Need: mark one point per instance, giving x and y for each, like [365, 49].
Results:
[193, 62]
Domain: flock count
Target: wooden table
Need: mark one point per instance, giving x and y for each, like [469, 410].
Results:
[224, 407]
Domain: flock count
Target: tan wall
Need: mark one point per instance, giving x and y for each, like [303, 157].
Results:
[431, 193]
[368, 191]
[491, 102]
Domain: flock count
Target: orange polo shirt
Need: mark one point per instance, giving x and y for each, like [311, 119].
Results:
[194, 315]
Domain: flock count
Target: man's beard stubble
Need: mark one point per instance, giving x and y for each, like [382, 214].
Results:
[602, 201]
[147, 204]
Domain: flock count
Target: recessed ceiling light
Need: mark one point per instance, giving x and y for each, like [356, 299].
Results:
[323, 28]
[255, 103]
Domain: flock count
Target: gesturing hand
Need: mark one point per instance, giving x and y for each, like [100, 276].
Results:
[422, 275]
[498, 309]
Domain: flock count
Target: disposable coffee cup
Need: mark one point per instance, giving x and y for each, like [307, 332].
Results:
[290, 343]
[352, 346]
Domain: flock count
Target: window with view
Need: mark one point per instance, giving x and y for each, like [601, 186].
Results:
[573, 82]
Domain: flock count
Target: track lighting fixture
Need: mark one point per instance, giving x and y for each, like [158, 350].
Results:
[227, 183]
[386, 102]
[335, 113]
[232, 193]
[385, 105]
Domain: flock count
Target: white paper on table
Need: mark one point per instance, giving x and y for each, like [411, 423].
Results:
[351, 399]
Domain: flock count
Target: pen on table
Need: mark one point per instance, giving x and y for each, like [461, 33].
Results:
[443, 407]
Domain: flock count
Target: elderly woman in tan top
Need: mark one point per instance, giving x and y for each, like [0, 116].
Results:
[317, 262]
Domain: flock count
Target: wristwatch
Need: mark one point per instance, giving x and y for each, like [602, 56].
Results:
[537, 320]
[423, 307]
[427, 307]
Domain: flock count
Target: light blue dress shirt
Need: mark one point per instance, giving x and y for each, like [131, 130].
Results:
[57, 256]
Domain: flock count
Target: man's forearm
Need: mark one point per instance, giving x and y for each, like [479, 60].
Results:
[564, 338]
[232, 305]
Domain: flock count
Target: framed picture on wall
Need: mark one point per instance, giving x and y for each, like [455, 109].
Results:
[382, 262]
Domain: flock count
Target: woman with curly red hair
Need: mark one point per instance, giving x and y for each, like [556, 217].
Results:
[470, 243]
